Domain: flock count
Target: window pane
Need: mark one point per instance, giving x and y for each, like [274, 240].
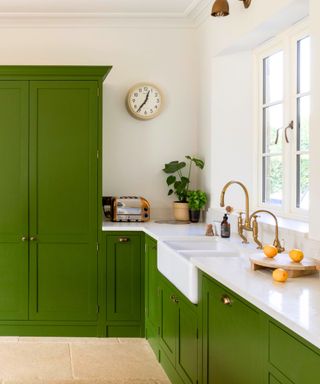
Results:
[273, 120]
[272, 180]
[303, 123]
[304, 65]
[303, 181]
[273, 78]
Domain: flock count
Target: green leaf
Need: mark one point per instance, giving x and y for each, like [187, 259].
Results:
[173, 166]
[170, 192]
[199, 163]
[171, 179]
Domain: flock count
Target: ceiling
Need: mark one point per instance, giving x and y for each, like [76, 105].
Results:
[174, 7]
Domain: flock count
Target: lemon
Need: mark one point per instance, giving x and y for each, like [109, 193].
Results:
[280, 275]
[270, 251]
[296, 255]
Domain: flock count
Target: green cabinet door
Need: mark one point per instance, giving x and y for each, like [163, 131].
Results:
[232, 338]
[151, 293]
[168, 321]
[124, 278]
[14, 200]
[63, 200]
[187, 339]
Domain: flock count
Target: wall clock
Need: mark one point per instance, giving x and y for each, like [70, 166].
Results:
[144, 101]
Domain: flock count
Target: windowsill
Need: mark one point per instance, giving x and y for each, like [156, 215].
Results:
[292, 225]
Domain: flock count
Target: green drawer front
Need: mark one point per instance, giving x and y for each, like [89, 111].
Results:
[294, 359]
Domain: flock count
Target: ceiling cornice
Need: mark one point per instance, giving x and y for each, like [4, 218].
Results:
[190, 18]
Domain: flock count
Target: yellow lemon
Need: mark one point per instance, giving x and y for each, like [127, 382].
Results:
[270, 251]
[280, 275]
[296, 255]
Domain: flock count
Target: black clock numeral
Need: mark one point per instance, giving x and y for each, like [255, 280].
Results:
[133, 100]
[135, 106]
[136, 94]
[151, 110]
[145, 88]
[156, 94]
[145, 112]
[140, 89]
[156, 107]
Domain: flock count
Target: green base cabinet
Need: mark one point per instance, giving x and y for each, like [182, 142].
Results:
[232, 338]
[124, 285]
[179, 332]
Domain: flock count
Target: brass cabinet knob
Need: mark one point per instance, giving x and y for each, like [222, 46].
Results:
[172, 297]
[24, 238]
[226, 300]
[123, 239]
[33, 238]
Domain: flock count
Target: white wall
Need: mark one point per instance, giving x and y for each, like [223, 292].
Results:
[134, 151]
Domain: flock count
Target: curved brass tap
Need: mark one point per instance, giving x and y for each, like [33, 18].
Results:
[276, 241]
[247, 212]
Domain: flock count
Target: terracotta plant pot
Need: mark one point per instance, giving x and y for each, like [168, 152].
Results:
[194, 215]
[181, 211]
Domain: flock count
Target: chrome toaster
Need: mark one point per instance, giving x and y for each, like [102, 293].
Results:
[130, 209]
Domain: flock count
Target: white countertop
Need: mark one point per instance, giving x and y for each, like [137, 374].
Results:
[295, 304]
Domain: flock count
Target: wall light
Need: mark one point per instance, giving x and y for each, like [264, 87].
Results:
[221, 7]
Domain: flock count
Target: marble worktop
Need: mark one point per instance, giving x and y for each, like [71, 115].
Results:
[295, 304]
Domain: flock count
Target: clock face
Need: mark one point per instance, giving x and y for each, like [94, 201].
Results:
[144, 101]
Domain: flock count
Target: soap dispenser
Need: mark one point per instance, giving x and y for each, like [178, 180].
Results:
[225, 227]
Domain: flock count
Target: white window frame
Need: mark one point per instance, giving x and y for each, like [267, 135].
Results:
[286, 41]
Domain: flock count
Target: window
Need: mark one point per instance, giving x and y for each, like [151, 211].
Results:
[284, 115]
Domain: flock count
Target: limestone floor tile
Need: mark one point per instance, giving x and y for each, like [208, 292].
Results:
[8, 339]
[29, 361]
[82, 340]
[85, 381]
[122, 362]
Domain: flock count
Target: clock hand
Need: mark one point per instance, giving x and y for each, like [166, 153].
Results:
[145, 101]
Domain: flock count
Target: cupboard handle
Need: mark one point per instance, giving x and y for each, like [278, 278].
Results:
[123, 239]
[176, 300]
[24, 238]
[172, 297]
[33, 238]
[226, 300]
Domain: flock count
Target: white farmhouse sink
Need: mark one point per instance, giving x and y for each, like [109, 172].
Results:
[174, 261]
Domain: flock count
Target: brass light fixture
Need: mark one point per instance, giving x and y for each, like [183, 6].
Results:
[221, 7]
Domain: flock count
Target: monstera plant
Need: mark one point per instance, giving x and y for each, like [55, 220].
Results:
[178, 182]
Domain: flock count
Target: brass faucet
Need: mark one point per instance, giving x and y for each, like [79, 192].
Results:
[276, 241]
[250, 221]
[241, 225]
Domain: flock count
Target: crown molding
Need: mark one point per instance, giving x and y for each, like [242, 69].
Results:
[190, 18]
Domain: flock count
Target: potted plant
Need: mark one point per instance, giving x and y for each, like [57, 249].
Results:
[196, 201]
[178, 183]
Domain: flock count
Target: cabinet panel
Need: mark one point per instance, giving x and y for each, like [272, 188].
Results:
[63, 199]
[63, 282]
[284, 353]
[152, 285]
[187, 353]
[232, 339]
[14, 117]
[124, 283]
[168, 322]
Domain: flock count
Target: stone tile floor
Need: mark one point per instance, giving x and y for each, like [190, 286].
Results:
[46, 360]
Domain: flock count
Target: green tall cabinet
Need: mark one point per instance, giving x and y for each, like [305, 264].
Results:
[50, 167]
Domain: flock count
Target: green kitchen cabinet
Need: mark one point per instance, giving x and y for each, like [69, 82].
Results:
[232, 338]
[290, 356]
[50, 195]
[151, 294]
[179, 333]
[124, 284]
